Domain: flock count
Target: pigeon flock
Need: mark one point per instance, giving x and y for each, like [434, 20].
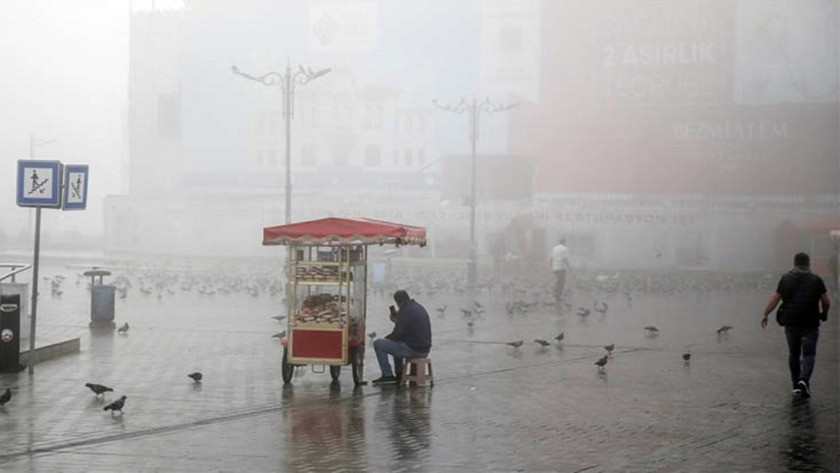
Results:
[523, 294]
[532, 293]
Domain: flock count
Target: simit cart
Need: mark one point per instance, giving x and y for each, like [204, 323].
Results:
[327, 288]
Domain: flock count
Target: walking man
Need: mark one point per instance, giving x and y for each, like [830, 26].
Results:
[411, 338]
[559, 264]
[802, 293]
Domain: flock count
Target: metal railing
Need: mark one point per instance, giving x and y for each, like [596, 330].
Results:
[16, 268]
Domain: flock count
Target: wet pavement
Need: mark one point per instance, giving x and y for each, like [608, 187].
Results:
[493, 407]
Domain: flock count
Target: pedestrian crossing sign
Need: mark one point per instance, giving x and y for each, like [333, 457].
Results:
[39, 183]
[75, 187]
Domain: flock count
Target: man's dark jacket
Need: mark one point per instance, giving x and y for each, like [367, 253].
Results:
[801, 291]
[413, 327]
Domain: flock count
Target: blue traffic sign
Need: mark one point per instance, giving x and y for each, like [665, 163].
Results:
[75, 187]
[39, 183]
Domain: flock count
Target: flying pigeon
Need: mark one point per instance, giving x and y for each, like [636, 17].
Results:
[124, 328]
[279, 334]
[515, 344]
[116, 405]
[278, 318]
[372, 335]
[470, 323]
[686, 356]
[724, 329]
[441, 310]
[610, 348]
[466, 312]
[196, 377]
[542, 343]
[602, 362]
[601, 307]
[652, 329]
[478, 305]
[583, 311]
[5, 397]
[98, 388]
[560, 337]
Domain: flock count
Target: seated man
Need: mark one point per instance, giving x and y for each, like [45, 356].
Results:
[411, 338]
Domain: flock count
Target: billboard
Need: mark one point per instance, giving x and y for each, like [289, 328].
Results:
[663, 97]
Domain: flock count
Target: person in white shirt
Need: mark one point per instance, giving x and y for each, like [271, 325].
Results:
[559, 264]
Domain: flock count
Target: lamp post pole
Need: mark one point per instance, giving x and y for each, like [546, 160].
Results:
[474, 108]
[286, 82]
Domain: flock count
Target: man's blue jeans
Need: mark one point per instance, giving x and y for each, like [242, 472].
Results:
[802, 341]
[399, 350]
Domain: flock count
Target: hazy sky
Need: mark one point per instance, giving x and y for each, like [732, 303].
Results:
[65, 79]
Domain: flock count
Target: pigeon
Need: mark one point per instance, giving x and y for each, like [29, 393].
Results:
[652, 329]
[5, 397]
[560, 337]
[601, 363]
[196, 377]
[610, 348]
[470, 323]
[686, 356]
[98, 388]
[116, 405]
[278, 318]
[583, 311]
[124, 328]
[724, 329]
[441, 310]
[515, 344]
[542, 343]
[466, 312]
[601, 307]
[372, 335]
[478, 305]
[279, 334]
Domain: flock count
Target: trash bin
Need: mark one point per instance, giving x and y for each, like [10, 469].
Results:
[102, 304]
[22, 290]
[10, 333]
[102, 298]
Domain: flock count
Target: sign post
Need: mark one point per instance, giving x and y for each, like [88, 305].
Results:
[39, 185]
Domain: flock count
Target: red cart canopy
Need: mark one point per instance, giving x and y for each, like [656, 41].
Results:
[344, 231]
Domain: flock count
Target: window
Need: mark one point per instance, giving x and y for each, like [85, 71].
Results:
[340, 157]
[396, 158]
[408, 124]
[372, 156]
[408, 157]
[307, 156]
[421, 156]
[169, 115]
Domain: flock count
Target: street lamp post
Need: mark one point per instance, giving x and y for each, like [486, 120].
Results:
[474, 108]
[286, 81]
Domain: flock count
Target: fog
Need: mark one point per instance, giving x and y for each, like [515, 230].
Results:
[650, 134]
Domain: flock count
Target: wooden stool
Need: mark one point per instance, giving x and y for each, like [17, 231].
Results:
[415, 371]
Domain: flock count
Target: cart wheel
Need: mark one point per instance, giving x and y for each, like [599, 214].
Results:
[334, 372]
[286, 368]
[358, 365]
